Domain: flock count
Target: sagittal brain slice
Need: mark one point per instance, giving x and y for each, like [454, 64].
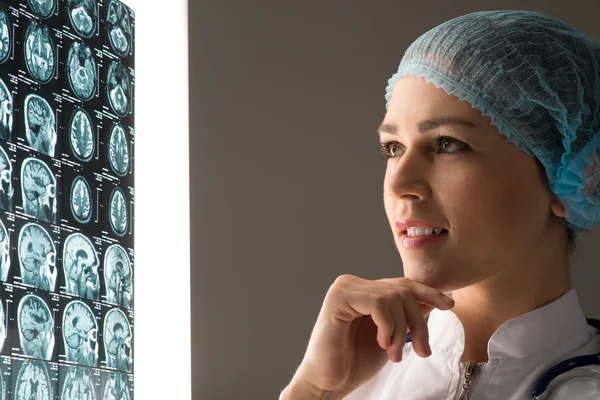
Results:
[118, 276]
[80, 267]
[118, 88]
[80, 334]
[117, 341]
[6, 112]
[82, 15]
[33, 382]
[117, 387]
[118, 27]
[117, 210]
[2, 326]
[40, 52]
[5, 34]
[37, 257]
[81, 69]
[40, 125]
[118, 151]
[36, 327]
[6, 187]
[4, 254]
[43, 8]
[3, 384]
[81, 200]
[78, 384]
[81, 135]
[38, 188]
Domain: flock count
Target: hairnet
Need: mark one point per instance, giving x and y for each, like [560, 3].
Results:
[538, 79]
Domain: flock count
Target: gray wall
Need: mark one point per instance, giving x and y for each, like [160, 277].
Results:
[286, 174]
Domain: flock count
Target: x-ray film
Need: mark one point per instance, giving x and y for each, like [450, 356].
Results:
[67, 195]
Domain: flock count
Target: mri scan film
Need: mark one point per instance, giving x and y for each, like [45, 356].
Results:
[67, 199]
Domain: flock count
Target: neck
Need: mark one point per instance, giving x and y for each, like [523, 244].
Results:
[482, 308]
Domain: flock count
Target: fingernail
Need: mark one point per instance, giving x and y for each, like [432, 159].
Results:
[447, 299]
[428, 349]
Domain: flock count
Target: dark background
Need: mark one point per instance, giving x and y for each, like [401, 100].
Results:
[286, 174]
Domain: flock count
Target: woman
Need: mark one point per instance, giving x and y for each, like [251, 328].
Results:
[494, 276]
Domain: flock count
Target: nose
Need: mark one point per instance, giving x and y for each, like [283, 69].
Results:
[408, 176]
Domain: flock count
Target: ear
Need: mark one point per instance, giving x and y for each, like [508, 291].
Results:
[557, 207]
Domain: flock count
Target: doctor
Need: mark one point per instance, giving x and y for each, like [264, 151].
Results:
[492, 142]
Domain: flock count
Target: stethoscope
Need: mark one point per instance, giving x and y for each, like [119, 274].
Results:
[539, 389]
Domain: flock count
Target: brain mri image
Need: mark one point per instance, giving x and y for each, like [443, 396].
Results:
[117, 340]
[38, 188]
[5, 34]
[83, 15]
[36, 327]
[40, 125]
[33, 382]
[37, 257]
[6, 112]
[4, 254]
[81, 200]
[117, 211]
[118, 27]
[117, 387]
[6, 187]
[80, 266]
[81, 135]
[118, 276]
[118, 88]
[3, 384]
[81, 69]
[80, 334]
[39, 51]
[118, 150]
[43, 8]
[78, 384]
[2, 326]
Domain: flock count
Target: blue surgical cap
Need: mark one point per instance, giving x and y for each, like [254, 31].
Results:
[538, 79]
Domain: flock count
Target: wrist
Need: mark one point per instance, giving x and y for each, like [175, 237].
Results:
[300, 391]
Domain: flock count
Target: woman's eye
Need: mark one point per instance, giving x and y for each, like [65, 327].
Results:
[442, 143]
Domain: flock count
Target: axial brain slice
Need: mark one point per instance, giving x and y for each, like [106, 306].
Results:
[42, 8]
[33, 382]
[118, 88]
[81, 135]
[5, 35]
[118, 212]
[118, 153]
[82, 71]
[78, 384]
[82, 14]
[119, 27]
[81, 200]
[39, 51]
[117, 387]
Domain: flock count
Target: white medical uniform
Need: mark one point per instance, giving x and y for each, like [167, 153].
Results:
[519, 352]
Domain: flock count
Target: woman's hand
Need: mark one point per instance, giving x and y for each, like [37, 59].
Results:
[361, 325]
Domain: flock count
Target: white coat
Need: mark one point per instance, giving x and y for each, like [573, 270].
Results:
[519, 352]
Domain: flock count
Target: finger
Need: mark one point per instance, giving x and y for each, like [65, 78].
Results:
[423, 293]
[419, 332]
[375, 305]
[394, 351]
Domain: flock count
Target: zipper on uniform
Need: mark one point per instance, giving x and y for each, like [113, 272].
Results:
[469, 373]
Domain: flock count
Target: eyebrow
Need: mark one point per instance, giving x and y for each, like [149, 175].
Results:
[427, 124]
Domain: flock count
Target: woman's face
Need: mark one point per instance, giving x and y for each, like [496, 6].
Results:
[489, 196]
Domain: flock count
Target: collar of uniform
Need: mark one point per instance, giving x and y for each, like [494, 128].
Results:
[559, 323]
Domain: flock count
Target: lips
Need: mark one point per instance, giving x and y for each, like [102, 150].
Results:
[404, 224]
